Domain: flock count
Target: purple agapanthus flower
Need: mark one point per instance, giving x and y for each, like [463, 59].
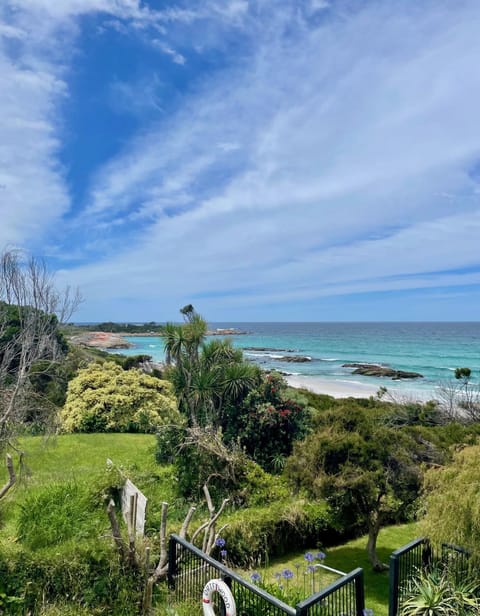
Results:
[311, 568]
[320, 555]
[287, 574]
[220, 542]
[255, 577]
[223, 554]
[368, 611]
[309, 557]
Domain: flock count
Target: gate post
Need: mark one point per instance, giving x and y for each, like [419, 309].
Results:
[172, 562]
[393, 580]
[360, 593]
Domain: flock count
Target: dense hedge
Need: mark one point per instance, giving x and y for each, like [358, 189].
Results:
[256, 534]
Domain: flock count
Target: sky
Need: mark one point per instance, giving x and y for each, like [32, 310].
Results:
[264, 160]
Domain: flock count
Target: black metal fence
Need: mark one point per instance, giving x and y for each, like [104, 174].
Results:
[416, 556]
[404, 564]
[456, 559]
[190, 569]
[345, 597]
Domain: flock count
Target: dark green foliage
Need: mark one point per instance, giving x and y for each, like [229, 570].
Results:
[463, 374]
[267, 423]
[208, 377]
[13, 320]
[414, 414]
[369, 473]
[260, 533]
[169, 439]
[134, 361]
[203, 458]
[120, 328]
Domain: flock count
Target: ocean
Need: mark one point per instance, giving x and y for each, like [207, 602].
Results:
[432, 349]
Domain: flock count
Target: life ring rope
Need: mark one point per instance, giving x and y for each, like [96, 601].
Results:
[225, 593]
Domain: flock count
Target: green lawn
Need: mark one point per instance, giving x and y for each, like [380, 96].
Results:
[73, 456]
[82, 458]
[347, 557]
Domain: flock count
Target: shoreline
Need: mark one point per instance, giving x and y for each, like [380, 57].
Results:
[344, 389]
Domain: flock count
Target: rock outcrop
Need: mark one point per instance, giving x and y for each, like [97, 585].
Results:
[294, 359]
[230, 331]
[268, 349]
[381, 371]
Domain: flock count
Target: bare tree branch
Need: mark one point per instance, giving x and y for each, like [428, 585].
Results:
[116, 534]
[11, 477]
[31, 309]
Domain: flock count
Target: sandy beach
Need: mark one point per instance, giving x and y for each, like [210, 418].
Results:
[346, 389]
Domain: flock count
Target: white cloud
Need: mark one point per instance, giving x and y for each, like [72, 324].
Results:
[313, 166]
[33, 192]
[165, 48]
[343, 142]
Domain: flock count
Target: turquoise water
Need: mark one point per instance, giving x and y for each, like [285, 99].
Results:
[433, 349]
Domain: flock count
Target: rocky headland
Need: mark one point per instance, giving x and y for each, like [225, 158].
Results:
[102, 340]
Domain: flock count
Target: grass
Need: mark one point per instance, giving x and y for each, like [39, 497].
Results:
[79, 459]
[349, 556]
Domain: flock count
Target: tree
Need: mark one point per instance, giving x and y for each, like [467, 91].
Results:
[367, 472]
[452, 501]
[106, 398]
[31, 310]
[207, 376]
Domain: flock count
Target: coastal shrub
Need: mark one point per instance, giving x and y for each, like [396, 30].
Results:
[105, 398]
[267, 423]
[452, 501]
[203, 457]
[370, 474]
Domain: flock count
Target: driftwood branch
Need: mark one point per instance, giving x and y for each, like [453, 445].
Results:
[163, 537]
[117, 536]
[186, 522]
[161, 570]
[12, 478]
[210, 522]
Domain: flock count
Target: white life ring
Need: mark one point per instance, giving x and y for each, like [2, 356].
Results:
[226, 594]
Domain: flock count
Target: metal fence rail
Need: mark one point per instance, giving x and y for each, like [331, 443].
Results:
[345, 597]
[190, 569]
[417, 556]
[405, 563]
[456, 559]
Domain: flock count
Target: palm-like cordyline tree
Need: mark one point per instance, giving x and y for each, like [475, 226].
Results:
[206, 375]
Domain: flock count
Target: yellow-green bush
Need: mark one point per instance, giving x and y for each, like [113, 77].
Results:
[452, 502]
[105, 398]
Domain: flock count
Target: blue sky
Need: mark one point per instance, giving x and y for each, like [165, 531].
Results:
[262, 159]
